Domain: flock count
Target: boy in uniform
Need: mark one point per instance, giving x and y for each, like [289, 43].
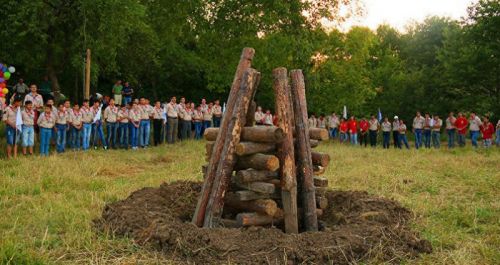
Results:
[61, 127]
[28, 132]
[123, 115]
[386, 133]
[373, 130]
[259, 116]
[97, 130]
[418, 126]
[37, 101]
[402, 134]
[207, 117]
[268, 118]
[395, 132]
[87, 119]
[451, 129]
[111, 118]
[145, 126]
[474, 128]
[312, 122]
[172, 120]
[134, 116]
[13, 135]
[333, 124]
[217, 112]
[46, 123]
[187, 116]
[436, 131]
[198, 120]
[157, 123]
[76, 122]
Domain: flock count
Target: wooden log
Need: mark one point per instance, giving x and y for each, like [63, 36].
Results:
[250, 148]
[314, 143]
[256, 219]
[318, 134]
[227, 161]
[260, 134]
[246, 195]
[320, 159]
[319, 170]
[260, 187]
[258, 162]
[303, 152]
[263, 206]
[321, 191]
[285, 150]
[321, 202]
[204, 169]
[209, 147]
[275, 182]
[320, 182]
[252, 175]
[232, 102]
[229, 223]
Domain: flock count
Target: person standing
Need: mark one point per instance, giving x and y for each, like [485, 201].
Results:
[353, 130]
[386, 133]
[427, 134]
[217, 112]
[402, 135]
[28, 133]
[451, 129]
[363, 130]
[395, 132]
[87, 119]
[474, 127]
[37, 101]
[321, 122]
[259, 116]
[111, 118]
[13, 135]
[418, 125]
[172, 120]
[487, 131]
[134, 116]
[123, 120]
[207, 116]
[333, 124]
[187, 117]
[436, 131]
[158, 121]
[312, 122]
[145, 124]
[497, 139]
[343, 127]
[374, 127]
[127, 93]
[461, 124]
[268, 118]
[97, 130]
[76, 122]
[21, 89]
[67, 110]
[117, 91]
[46, 122]
[61, 127]
[197, 120]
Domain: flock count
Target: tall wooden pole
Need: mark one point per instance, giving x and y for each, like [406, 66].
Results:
[87, 76]
[286, 154]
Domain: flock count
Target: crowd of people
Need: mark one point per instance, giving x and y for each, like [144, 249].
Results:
[123, 121]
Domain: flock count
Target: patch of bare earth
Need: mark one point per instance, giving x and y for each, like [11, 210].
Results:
[355, 227]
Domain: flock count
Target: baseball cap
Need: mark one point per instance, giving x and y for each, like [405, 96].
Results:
[396, 117]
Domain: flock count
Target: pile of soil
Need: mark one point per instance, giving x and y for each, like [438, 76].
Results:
[356, 227]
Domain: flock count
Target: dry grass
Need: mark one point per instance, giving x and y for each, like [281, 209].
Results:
[47, 204]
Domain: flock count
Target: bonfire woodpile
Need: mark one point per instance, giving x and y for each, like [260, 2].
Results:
[264, 175]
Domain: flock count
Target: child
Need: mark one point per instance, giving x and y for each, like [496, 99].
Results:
[46, 123]
[10, 119]
[157, 123]
[87, 118]
[343, 130]
[28, 127]
[61, 128]
[97, 130]
[124, 126]
[487, 130]
[135, 122]
[111, 117]
[198, 122]
[402, 135]
[76, 121]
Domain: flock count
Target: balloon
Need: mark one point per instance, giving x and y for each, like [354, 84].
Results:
[1, 79]
[5, 91]
[4, 69]
[12, 69]
[2, 95]
[2, 85]
[1, 73]
[1, 65]
[6, 75]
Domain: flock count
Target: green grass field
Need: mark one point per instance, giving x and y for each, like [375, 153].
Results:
[47, 204]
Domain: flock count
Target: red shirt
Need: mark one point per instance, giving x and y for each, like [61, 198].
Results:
[461, 124]
[487, 130]
[364, 125]
[353, 126]
[343, 127]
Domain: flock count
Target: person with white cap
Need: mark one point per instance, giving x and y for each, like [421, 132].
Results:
[395, 132]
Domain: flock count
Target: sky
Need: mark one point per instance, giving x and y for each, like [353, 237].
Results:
[398, 13]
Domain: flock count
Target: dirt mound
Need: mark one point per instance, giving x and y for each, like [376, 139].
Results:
[356, 227]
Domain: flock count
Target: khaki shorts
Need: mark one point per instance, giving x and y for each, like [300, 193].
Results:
[118, 99]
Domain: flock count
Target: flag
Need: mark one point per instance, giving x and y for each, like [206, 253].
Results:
[344, 113]
[224, 108]
[98, 115]
[19, 120]
[379, 116]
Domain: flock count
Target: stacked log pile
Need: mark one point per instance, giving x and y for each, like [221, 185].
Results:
[264, 175]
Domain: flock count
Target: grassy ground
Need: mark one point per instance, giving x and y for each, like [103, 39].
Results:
[47, 204]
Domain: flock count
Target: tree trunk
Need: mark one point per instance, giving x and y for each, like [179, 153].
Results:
[243, 66]
[318, 134]
[256, 219]
[258, 162]
[320, 159]
[285, 150]
[303, 152]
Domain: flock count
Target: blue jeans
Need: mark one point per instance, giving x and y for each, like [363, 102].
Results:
[333, 133]
[124, 128]
[206, 124]
[126, 100]
[497, 139]
[76, 135]
[343, 137]
[134, 131]
[97, 131]
[451, 138]
[387, 139]
[427, 138]
[13, 135]
[217, 122]
[418, 138]
[436, 140]
[61, 137]
[354, 138]
[28, 136]
[45, 135]
[402, 138]
[487, 143]
[87, 130]
[111, 128]
[461, 140]
[197, 129]
[473, 136]
[144, 131]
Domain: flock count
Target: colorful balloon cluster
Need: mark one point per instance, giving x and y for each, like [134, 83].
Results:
[5, 74]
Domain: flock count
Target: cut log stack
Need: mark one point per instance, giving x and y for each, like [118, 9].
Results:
[263, 175]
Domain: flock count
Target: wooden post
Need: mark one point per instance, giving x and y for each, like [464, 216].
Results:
[303, 152]
[87, 75]
[243, 66]
[259, 134]
[227, 159]
[285, 151]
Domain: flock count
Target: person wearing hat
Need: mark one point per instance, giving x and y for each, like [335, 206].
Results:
[395, 132]
[386, 132]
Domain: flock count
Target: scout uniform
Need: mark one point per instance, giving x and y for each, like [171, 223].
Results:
[28, 128]
[418, 126]
[111, 118]
[87, 118]
[123, 114]
[46, 124]
[76, 120]
[259, 117]
[158, 121]
[474, 127]
[436, 133]
[9, 117]
[198, 126]
[97, 130]
[217, 113]
[386, 134]
[207, 118]
[134, 116]
[312, 122]
[61, 125]
[172, 111]
[333, 123]
[322, 123]
[402, 136]
[451, 130]
[373, 130]
[187, 117]
[145, 128]
[395, 133]
[268, 119]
